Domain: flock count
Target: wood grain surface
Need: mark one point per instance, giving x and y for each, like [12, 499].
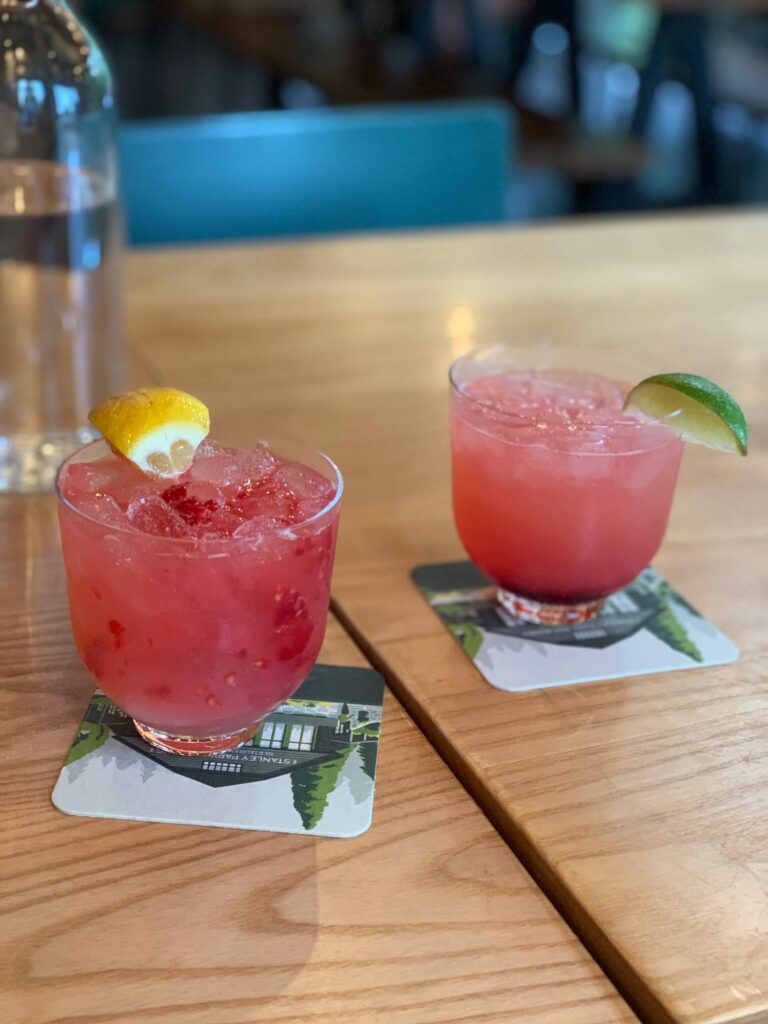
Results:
[426, 918]
[641, 805]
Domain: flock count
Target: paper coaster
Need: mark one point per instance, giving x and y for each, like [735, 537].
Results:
[647, 627]
[310, 769]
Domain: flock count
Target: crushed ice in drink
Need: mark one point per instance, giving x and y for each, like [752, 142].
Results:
[155, 516]
[225, 493]
[102, 508]
[566, 412]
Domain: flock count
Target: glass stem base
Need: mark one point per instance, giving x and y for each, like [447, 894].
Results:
[194, 746]
[543, 614]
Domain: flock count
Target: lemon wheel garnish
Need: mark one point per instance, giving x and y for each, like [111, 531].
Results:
[159, 429]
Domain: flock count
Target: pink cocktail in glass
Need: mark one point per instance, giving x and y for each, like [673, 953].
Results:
[558, 495]
[199, 605]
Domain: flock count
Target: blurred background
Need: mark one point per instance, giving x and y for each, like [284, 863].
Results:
[620, 104]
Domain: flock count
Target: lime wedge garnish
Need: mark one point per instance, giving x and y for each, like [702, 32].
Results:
[695, 409]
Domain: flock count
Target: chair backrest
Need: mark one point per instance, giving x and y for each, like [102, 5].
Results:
[273, 174]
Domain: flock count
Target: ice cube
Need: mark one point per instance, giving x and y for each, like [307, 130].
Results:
[105, 472]
[129, 483]
[258, 526]
[302, 481]
[216, 465]
[153, 515]
[209, 448]
[104, 509]
[283, 504]
[258, 464]
[309, 507]
[222, 523]
[91, 477]
[135, 489]
[275, 501]
[238, 473]
[76, 481]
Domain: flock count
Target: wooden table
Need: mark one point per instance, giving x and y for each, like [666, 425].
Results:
[426, 919]
[641, 805]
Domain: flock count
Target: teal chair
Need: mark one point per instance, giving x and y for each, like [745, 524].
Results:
[275, 174]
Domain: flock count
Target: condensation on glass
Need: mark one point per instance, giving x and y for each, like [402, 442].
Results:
[60, 240]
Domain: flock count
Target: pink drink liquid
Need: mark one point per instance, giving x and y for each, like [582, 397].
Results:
[557, 495]
[199, 606]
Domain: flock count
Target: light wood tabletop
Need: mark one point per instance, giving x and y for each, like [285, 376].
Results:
[641, 805]
[428, 917]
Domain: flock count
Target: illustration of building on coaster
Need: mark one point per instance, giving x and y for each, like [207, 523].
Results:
[336, 713]
[464, 598]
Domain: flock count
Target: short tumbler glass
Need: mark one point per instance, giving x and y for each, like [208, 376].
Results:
[199, 640]
[559, 496]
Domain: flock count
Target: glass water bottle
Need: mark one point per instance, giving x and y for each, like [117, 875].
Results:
[61, 347]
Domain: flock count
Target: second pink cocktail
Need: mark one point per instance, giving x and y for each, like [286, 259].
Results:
[559, 496]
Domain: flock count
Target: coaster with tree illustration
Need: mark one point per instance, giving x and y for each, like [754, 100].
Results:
[647, 627]
[310, 769]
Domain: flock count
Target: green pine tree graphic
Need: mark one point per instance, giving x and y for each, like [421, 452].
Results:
[90, 736]
[314, 784]
[666, 627]
[470, 637]
[368, 753]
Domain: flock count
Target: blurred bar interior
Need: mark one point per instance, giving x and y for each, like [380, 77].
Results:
[620, 104]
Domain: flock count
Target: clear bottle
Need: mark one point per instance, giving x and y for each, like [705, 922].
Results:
[61, 348]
